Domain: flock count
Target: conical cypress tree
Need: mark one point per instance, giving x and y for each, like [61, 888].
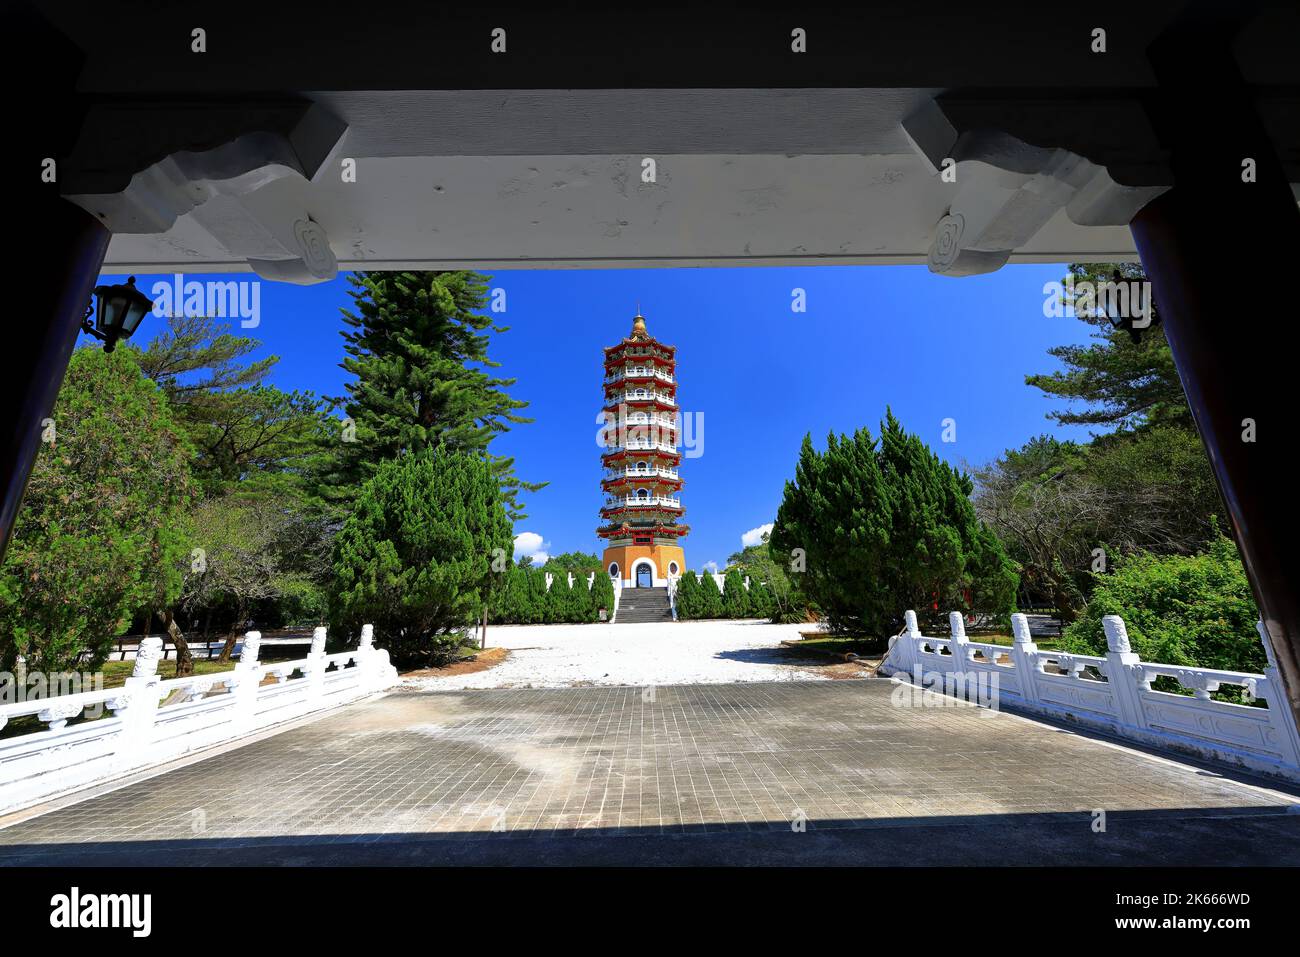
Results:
[602, 596]
[760, 600]
[688, 596]
[735, 601]
[710, 597]
[417, 347]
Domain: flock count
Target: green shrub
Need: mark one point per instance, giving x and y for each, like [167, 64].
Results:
[1180, 610]
[103, 528]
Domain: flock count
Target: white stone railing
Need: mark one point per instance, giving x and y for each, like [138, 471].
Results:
[642, 372]
[643, 446]
[155, 720]
[1111, 693]
[658, 472]
[645, 395]
[633, 501]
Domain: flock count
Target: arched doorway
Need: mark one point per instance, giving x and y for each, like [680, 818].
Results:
[644, 576]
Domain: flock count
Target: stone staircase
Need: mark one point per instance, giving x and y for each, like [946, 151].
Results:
[640, 605]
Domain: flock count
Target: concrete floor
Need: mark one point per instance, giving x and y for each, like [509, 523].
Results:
[781, 773]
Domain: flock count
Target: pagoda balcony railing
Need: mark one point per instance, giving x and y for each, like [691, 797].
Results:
[642, 418]
[644, 447]
[641, 395]
[639, 371]
[643, 501]
[657, 472]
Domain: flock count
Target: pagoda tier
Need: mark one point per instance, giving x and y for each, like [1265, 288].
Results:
[642, 509]
[658, 485]
[627, 530]
[662, 452]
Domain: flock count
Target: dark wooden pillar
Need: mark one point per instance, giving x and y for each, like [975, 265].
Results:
[54, 286]
[1221, 254]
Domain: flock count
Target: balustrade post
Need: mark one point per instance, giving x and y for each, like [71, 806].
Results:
[316, 665]
[1124, 673]
[1283, 718]
[961, 656]
[138, 706]
[902, 655]
[1024, 655]
[248, 675]
[377, 672]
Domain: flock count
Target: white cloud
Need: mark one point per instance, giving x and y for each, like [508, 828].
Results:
[532, 545]
[711, 567]
[755, 535]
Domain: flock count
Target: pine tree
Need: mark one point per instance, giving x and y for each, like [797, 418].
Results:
[415, 556]
[735, 600]
[418, 350]
[886, 527]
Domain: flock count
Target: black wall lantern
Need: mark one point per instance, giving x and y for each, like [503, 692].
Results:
[118, 311]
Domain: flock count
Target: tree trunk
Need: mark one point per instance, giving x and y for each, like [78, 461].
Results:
[228, 648]
[184, 661]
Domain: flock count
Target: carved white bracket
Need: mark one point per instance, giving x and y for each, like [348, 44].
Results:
[235, 192]
[1006, 190]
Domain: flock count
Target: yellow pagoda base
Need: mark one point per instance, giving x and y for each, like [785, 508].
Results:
[664, 560]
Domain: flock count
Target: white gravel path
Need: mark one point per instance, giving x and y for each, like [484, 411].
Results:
[684, 652]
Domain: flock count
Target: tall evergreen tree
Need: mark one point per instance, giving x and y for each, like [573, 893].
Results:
[735, 600]
[710, 597]
[688, 596]
[415, 556]
[1119, 381]
[886, 526]
[602, 596]
[418, 349]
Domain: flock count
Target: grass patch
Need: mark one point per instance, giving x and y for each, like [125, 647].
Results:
[116, 672]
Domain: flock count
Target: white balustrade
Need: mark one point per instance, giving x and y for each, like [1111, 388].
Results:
[657, 472]
[644, 395]
[639, 372]
[643, 501]
[1112, 693]
[155, 720]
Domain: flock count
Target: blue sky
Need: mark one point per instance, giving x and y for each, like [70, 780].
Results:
[760, 374]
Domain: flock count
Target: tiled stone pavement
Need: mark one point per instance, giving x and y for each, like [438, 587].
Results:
[691, 760]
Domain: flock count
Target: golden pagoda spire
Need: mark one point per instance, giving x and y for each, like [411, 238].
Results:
[638, 324]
